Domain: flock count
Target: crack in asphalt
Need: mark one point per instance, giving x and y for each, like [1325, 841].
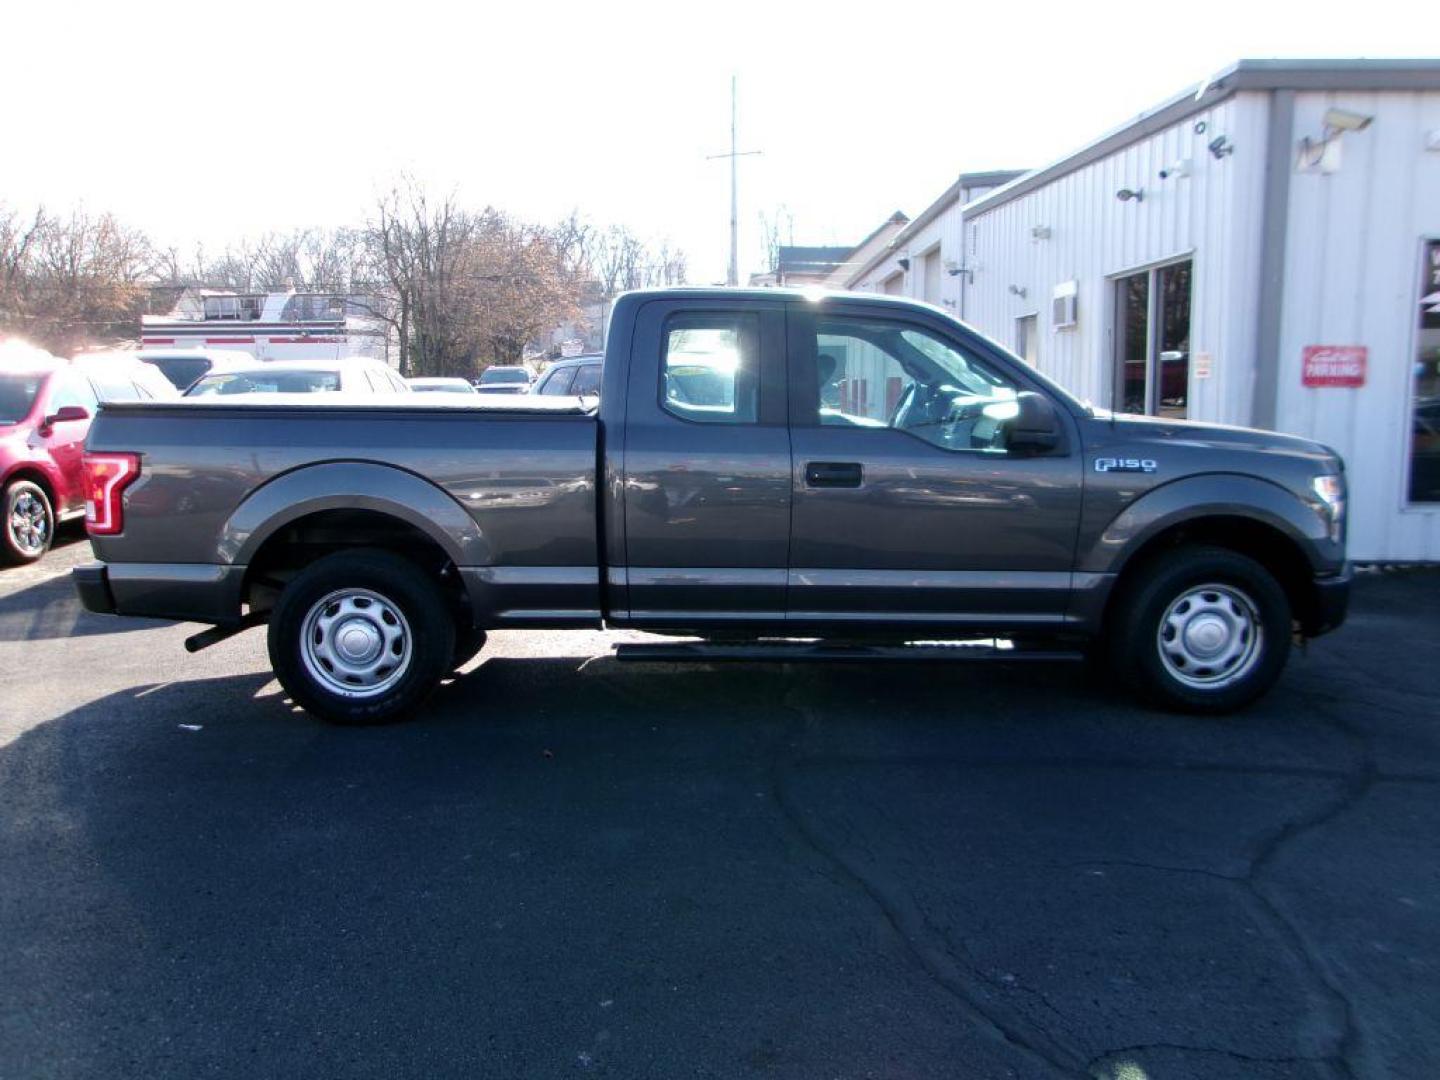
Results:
[1234, 1055]
[931, 949]
[961, 977]
[1360, 783]
[1033, 1042]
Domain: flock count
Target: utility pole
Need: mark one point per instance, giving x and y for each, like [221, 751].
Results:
[732, 277]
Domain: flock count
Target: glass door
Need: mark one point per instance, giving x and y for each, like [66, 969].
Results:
[1152, 341]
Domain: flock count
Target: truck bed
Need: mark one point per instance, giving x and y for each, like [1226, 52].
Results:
[509, 487]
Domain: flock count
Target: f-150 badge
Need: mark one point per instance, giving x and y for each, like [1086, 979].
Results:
[1124, 464]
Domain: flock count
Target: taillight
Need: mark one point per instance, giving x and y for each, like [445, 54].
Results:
[106, 478]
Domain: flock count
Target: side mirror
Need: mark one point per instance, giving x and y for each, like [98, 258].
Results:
[1036, 426]
[67, 413]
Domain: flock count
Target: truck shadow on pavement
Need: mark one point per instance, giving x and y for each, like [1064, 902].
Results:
[572, 864]
[50, 610]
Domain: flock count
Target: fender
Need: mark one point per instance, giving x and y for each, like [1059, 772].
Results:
[351, 485]
[1209, 495]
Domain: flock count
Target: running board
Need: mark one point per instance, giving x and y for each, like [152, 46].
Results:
[815, 652]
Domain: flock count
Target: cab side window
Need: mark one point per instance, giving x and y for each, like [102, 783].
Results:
[876, 374]
[710, 369]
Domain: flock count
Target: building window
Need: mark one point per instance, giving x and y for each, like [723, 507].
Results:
[1152, 342]
[932, 277]
[1027, 345]
[1425, 420]
[233, 307]
[894, 285]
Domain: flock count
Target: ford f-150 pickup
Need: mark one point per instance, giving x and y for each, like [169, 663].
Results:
[775, 473]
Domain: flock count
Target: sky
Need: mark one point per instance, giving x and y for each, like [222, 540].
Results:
[206, 123]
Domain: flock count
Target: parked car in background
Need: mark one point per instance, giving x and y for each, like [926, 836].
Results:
[185, 367]
[352, 375]
[503, 380]
[46, 405]
[441, 385]
[575, 376]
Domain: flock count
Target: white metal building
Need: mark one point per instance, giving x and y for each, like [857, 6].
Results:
[1261, 250]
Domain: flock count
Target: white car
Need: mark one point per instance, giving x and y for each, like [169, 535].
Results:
[351, 375]
[441, 385]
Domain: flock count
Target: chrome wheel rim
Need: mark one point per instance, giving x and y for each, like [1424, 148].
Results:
[29, 523]
[356, 643]
[1210, 637]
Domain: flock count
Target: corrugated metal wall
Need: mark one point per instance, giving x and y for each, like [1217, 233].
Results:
[1352, 278]
[1213, 215]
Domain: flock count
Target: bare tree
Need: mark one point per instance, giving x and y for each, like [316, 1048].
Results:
[69, 282]
[777, 229]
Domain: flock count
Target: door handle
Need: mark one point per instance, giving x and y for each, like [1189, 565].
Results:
[833, 474]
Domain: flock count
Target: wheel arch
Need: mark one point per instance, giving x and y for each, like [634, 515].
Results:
[36, 475]
[316, 510]
[351, 486]
[1245, 514]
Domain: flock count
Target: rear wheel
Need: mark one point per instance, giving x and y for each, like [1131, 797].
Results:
[29, 522]
[1201, 629]
[361, 637]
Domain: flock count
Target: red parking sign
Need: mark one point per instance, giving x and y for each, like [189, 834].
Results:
[1334, 365]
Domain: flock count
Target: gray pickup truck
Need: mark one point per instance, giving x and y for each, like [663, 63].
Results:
[778, 474]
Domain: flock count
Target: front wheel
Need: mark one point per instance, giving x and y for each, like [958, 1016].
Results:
[361, 637]
[1201, 629]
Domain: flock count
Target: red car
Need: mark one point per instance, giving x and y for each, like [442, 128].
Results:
[45, 410]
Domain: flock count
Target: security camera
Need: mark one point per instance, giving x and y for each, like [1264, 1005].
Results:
[1345, 120]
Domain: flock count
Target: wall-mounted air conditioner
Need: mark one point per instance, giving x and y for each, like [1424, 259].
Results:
[1063, 312]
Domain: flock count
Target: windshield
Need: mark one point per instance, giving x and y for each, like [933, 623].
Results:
[17, 395]
[266, 382]
[181, 370]
[503, 375]
[460, 386]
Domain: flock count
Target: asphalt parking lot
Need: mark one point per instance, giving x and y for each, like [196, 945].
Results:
[571, 866]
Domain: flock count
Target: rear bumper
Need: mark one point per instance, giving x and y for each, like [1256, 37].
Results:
[1331, 602]
[93, 585]
[185, 592]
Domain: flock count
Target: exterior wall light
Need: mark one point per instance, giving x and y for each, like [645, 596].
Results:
[1125, 194]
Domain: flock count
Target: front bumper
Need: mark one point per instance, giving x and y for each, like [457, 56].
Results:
[184, 592]
[1331, 600]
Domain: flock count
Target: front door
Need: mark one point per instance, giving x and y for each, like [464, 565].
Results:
[706, 468]
[909, 510]
[65, 440]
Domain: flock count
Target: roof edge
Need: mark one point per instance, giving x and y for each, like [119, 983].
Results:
[1243, 75]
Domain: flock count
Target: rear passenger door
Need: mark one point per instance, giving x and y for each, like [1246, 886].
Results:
[706, 468]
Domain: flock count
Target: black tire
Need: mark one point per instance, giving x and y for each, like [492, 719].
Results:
[468, 642]
[368, 599]
[1215, 595]
[29, 523]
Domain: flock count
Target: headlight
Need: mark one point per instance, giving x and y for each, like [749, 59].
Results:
[1330, 490]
